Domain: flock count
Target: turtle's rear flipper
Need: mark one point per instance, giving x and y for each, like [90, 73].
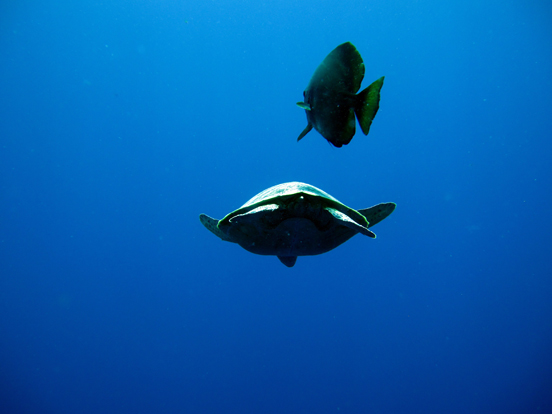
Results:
[289, 261]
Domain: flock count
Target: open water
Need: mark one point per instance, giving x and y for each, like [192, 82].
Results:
[121, 121]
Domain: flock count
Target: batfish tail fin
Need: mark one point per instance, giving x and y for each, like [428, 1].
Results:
[377, 213]
[367, 104]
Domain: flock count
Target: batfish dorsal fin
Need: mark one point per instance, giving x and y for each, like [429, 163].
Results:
[342, 69]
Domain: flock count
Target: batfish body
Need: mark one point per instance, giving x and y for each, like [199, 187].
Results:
[331, 99]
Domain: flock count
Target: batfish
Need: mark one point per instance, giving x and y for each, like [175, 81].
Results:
[331, 101]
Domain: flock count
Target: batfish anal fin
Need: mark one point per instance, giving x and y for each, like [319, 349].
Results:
[304, 105]
[347, 133]
[305, 132]
[377, 213]
[367, 105]
[289, 261]
[348, 222]
[212, 225]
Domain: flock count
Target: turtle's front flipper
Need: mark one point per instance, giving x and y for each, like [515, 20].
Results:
[347, 222]
[211, 225]
[289, 261]
[377, 213]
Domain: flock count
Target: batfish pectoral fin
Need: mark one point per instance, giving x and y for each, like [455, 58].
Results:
[367, 105]
[348, 222]
[377, 213]
[212, 225]
[289, 261]
[305, 132]
[304, 105]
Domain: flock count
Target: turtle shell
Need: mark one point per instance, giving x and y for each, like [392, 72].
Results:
[281, 195]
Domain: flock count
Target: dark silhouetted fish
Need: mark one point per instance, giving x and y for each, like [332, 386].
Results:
[331, 101]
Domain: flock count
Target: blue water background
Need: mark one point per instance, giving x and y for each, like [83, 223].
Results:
[121, 121]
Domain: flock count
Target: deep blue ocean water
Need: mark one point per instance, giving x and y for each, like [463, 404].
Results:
[121, 121]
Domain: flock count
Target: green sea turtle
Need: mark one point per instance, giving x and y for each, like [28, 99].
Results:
[331, 101]
[294, 219]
